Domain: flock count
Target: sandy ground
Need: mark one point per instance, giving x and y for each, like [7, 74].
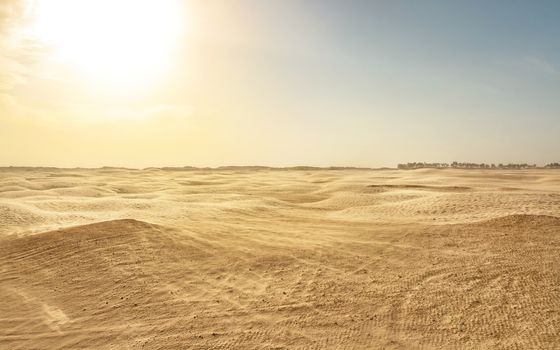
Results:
[274, 259]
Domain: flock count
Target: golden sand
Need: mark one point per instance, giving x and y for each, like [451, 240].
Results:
[274, 259]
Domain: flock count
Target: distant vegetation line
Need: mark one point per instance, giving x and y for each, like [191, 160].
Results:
[457, 165]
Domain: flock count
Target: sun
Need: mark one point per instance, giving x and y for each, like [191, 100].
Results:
[116, 42]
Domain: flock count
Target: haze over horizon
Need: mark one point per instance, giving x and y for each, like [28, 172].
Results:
[286, 83]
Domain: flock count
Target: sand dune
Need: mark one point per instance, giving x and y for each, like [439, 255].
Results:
[261, 258]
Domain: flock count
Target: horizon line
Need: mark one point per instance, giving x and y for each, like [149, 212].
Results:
[504, 166]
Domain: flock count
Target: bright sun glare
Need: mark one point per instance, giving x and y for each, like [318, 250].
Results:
[117, 42]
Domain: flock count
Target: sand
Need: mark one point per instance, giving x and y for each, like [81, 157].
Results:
[279, 259]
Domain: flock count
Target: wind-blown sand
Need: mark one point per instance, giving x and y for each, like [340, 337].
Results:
[273, 259]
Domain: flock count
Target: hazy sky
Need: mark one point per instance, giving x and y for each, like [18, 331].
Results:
[348, 83]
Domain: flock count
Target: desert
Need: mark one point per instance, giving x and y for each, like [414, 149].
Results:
[262, 258]
[312, 174]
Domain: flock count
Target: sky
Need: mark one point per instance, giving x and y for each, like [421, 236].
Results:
[142, 83]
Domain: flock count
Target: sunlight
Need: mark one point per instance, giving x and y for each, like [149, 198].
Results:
[119, 43]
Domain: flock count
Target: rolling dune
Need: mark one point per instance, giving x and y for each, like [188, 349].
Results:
[258, 258]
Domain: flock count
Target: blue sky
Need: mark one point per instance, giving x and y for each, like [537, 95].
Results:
[475, 80]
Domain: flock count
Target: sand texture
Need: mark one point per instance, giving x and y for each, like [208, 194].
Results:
[279, 259]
